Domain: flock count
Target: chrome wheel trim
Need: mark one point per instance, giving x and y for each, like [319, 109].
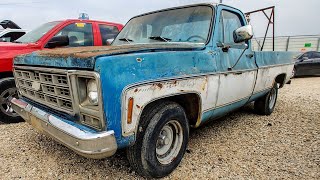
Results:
[169, 142]
[272, 98]
[4, 104]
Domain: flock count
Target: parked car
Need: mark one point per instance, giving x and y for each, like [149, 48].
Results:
[165, 72]
[10, 31]
[307, 64]
[69, 33]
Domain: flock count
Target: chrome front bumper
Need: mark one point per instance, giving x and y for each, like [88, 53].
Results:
[85, 143]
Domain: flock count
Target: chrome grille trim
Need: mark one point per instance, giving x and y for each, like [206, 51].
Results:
[54, 87]
[65, 94]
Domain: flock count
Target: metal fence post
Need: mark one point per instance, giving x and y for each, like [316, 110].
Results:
[288, 40]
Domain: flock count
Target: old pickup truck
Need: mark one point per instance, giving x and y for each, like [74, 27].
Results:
[165, 72]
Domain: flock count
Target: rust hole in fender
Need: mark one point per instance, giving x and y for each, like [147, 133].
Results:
[159, 85]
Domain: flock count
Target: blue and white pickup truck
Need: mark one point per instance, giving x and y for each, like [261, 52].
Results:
[165, 72]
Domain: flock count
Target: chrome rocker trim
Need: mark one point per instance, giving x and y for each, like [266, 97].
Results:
[87, 144]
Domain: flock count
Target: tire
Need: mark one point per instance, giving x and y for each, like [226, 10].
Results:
[266, 104]
[8, 89]
[161, 140]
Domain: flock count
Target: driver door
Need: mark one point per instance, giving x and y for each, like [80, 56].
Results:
[237, 79]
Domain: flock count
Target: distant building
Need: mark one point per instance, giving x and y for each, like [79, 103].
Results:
[289, 43]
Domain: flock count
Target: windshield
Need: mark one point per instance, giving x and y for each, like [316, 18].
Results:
[34, 35]
[190, 24]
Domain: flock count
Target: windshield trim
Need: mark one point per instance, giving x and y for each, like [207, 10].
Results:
[212, 22]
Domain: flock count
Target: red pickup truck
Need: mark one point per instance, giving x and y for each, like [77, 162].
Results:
[68, 33]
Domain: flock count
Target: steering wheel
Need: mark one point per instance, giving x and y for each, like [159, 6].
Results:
[196, 36]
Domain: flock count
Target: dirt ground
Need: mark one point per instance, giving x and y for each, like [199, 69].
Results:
[242, 145]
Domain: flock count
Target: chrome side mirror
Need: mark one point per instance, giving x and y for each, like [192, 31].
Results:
[109, 41]
[242, 34]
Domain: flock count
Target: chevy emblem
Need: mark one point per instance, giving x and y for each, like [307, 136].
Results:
[36, 86]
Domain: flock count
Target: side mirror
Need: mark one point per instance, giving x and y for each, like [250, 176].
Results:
[304, 58]
[242, 34]
[58, 41]
[109, 41]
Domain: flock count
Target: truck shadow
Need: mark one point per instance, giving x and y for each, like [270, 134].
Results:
[4, 123]
[306, 76]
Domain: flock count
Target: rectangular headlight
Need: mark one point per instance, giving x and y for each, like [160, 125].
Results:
[87, 98]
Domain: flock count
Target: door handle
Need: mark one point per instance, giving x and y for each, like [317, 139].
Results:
[249, 55]
[224, 47]
[238, 73]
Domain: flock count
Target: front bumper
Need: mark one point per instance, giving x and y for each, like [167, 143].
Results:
[92, 145]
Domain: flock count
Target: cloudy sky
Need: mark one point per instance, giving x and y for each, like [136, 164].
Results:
[293, 17]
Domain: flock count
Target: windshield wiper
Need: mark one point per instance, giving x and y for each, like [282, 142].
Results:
[160, 38]
[126, 39]
[17, 42]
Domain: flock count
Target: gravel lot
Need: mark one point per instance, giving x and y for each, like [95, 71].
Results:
[240, 146]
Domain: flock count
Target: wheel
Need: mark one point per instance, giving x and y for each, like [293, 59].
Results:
[161, 140]
[8, 89]
[265, 105]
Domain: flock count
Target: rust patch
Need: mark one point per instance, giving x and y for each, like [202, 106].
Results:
[136, 90]
[93, 51]
[159, 85]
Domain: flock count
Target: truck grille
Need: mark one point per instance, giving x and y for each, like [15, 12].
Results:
[51, 89]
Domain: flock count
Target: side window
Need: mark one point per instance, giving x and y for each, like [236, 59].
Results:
[308, 55]
[12, 36]
[80, 34]
[228, 22]
[316, 55]
[303, 55]
[108, 32]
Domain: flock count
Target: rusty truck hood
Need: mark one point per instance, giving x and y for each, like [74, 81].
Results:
[84, 57]
[86, 52]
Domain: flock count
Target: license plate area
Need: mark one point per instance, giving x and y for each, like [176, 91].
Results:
[36, 123]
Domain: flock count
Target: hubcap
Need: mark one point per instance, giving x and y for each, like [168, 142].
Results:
[169, 142]
[5, 106]
[272, 98]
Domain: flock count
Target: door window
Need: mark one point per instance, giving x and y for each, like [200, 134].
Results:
[107, 33]
[228, 22]
[12, 36]
[315, 55]
[80, 34]
[306, 55]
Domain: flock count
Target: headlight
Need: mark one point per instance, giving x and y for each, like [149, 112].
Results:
[92, 92]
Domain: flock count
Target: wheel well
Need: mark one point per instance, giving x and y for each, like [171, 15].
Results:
[5, 74]
[280, 79]
[189, 102]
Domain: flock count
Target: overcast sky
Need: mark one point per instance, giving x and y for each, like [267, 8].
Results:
[293, 17]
